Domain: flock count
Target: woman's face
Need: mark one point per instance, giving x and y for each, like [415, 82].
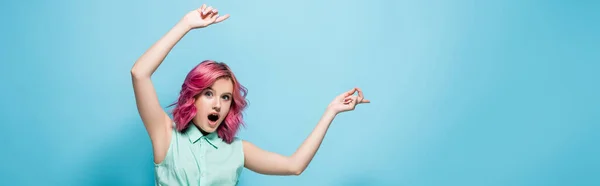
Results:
[212, 105]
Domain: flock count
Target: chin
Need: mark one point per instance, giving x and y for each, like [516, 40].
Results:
[208, 128]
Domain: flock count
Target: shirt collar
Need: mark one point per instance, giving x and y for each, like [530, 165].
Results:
[195, 136]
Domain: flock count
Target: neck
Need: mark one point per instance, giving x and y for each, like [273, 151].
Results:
[203, 132]
[200, 129]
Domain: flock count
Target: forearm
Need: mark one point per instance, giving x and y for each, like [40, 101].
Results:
[153, 57]
[265, 162]
[305, 153]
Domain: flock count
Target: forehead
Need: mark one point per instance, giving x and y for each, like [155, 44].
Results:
[222, 85]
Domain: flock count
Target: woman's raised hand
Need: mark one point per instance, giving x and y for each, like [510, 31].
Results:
[203, 17]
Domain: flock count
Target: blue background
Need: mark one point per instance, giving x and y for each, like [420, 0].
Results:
[463, 92]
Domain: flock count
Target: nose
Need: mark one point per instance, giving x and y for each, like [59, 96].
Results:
[217, 105]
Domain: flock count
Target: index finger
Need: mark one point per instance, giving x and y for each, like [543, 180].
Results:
[350, 92]
[346, 94]
[360, 94]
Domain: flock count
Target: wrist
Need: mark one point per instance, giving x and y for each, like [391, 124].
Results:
[183, 24]
[330, 112]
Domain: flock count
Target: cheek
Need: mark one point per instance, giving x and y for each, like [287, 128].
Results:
[200, 104]
[226, 109]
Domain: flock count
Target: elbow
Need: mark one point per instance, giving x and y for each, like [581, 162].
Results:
[296, 171]
[296, 166]
[136, 74]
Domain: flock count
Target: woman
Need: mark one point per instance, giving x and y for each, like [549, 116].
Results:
[198, 145]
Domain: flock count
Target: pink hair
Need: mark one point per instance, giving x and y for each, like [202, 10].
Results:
[199, 78]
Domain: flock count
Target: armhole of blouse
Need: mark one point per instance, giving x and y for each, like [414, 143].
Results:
[172, 141]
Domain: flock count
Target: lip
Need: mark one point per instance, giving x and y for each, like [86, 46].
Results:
[212, 123]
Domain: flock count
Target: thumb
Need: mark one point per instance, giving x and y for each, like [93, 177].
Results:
[221, 18]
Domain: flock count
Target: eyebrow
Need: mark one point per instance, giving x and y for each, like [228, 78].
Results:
[226, 93]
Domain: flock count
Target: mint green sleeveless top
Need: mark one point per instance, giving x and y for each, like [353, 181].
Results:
[195, 159]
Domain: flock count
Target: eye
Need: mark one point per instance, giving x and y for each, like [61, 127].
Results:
[226, 97]
[208, 93]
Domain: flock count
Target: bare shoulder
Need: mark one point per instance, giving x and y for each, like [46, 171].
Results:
[248, 145]
[249, 148]
[252, 150]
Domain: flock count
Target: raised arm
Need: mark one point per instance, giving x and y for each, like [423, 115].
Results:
[265, 162]
[155, 119]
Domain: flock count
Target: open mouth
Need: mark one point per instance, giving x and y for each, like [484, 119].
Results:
[213, 117]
